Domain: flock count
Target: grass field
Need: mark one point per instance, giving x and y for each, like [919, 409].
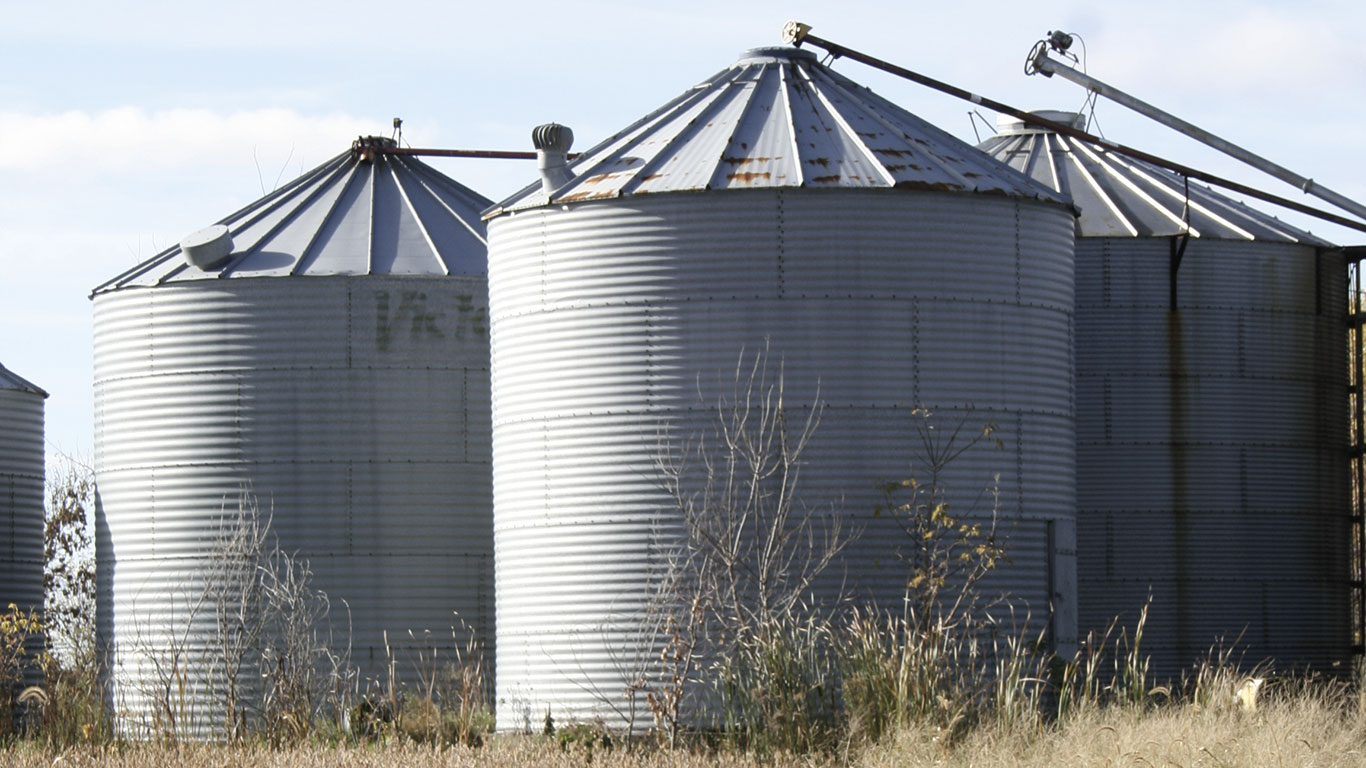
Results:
[1297, 725]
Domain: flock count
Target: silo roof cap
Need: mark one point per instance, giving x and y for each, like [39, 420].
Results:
[13, 382]
[1119, 196]
[364, 212]
[778, 118]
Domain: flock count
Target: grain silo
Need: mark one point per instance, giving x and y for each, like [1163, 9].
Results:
[21, 496]
[1211, 412]
[324, 351]
[884, 265]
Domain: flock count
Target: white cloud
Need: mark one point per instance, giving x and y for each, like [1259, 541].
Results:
[117, 140]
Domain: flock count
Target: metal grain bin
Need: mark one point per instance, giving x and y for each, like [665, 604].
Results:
[1211, 413]
[883, 264]
[324, 350]
[21, 496]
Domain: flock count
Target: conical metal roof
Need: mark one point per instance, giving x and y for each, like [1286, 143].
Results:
[778, 118]
[361, 213]
[13, 382]
[1118, 196]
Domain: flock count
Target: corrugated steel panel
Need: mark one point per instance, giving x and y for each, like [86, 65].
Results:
[1212, 449]
[1212, 436]
[21, 494]
[389, 215]
[778, 118]
[612, 321]
[351, 400]
[1123, 197]
[355, 409]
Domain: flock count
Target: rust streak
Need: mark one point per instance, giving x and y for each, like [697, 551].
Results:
[747, 176]
[929, 186]
[826, 179]
[894, 152]
[652, 177]
[594, 179]
[585, 195]
[745, 160]
[821, 161]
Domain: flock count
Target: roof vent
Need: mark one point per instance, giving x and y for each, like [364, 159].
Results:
[1009, 125]
[208, 248]
[552, 142]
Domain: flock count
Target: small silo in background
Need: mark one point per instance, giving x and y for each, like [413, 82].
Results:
[1212, 469]
[325, 350]
[885, 266]
[22, 457]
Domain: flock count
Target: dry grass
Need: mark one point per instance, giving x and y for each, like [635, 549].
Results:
[1308, 727]
[1304, 730]
[530, 752]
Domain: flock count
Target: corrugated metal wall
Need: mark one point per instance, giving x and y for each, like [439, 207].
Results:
[1212, 448]
[615, 320]
[354, 409]
[21, 500]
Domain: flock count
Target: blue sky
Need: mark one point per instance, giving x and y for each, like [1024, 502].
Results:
[125, 126]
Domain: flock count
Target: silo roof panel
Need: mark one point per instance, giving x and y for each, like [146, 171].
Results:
[778, 118]
[13, 382]
[380, 214]
[1118, 196]
[342, 245]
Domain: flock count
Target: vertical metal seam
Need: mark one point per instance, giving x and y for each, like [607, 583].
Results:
[634, 136]
[852, 136]
[1172, 193]
[781, 221]
[733, 90]
[791, 124]
[1019, 248]
[667, 153]
[478, 234]
[1052, 159]
[1019, 465]
[307, 255]
[1105, 196]
[370, 221]
[915, 352]
[167, 254]
[426, 236]
[326, 183]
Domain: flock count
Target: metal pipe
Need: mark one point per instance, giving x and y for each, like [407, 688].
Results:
[798, 34]
[492, 154]
[1049, 67]
[485, 153]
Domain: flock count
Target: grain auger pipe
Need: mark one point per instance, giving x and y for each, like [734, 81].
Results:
[1039, 62]
[798, 34]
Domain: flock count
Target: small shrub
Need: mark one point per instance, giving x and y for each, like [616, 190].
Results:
[17, 628]
[778, 688]
[583, 739]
